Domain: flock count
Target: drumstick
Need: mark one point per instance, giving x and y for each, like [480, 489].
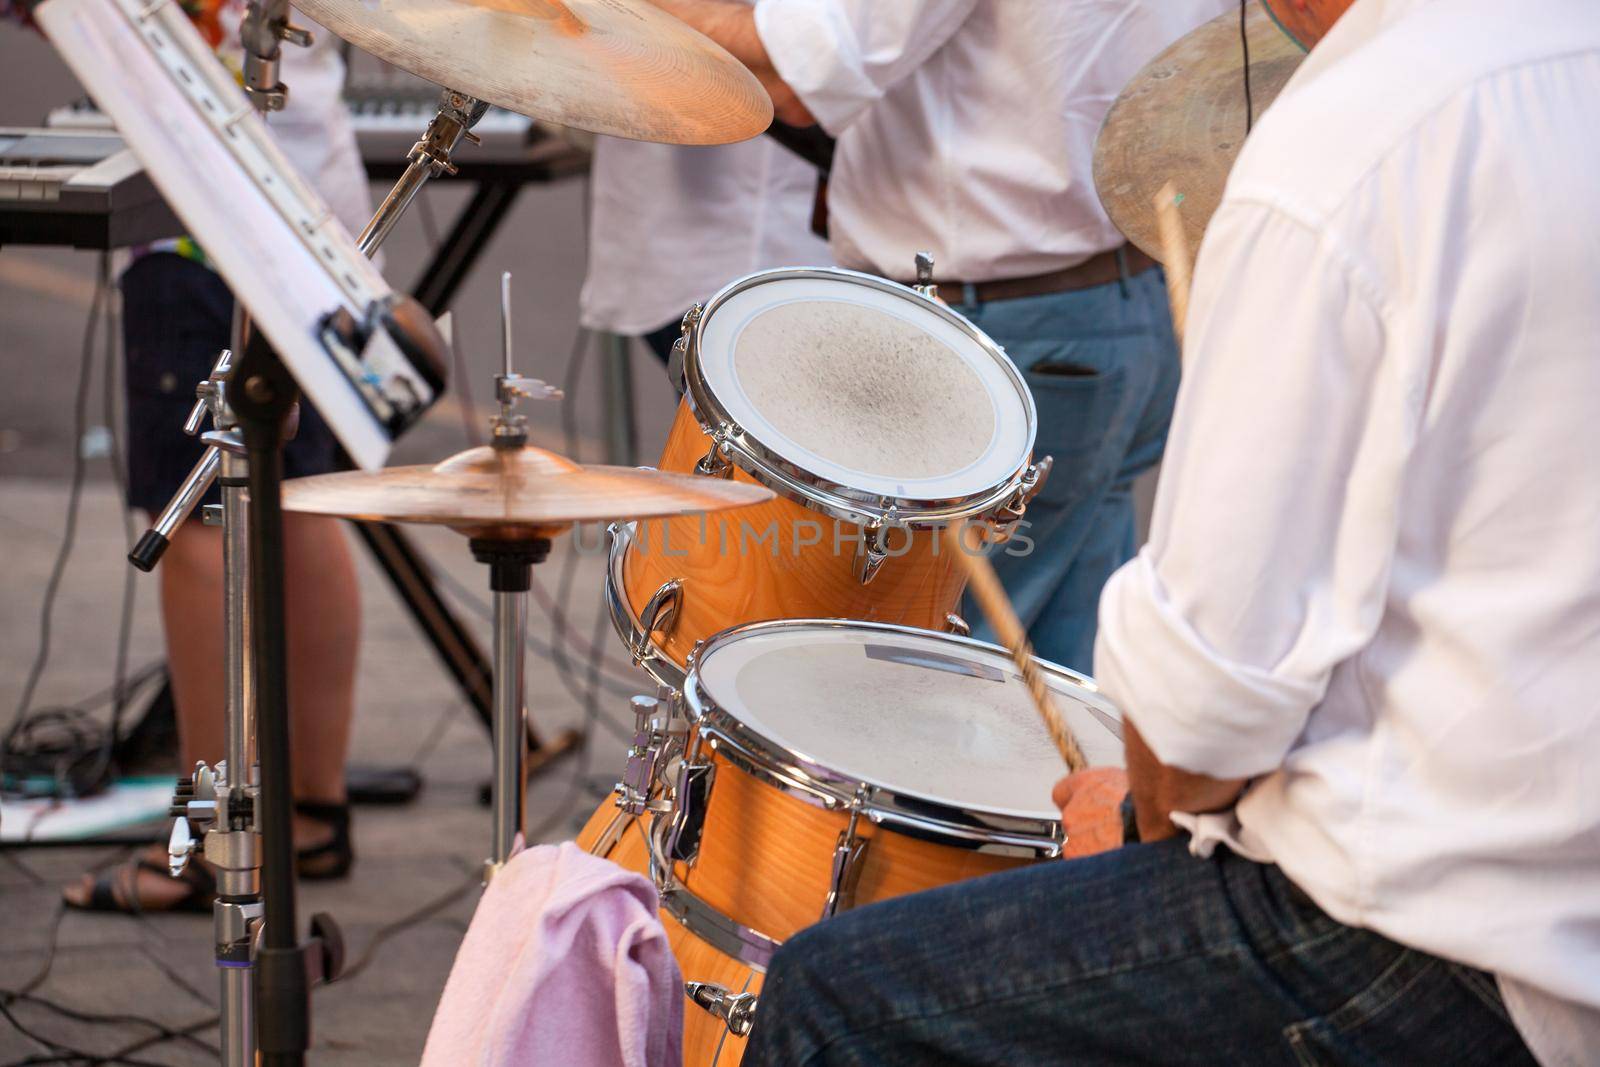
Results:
[1174, 255]
[991, 597]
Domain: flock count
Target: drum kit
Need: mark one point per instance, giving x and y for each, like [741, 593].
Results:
[823, 733]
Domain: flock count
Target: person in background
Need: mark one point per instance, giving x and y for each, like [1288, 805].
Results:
[671, 225]
[966, 128]
[177, 316]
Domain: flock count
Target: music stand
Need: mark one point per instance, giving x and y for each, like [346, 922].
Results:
[325, 322]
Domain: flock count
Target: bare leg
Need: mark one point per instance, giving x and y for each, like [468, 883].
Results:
[324, 616]
[324, 623]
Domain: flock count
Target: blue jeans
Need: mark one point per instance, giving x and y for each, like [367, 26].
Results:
[1103, 368]
[1143, 955]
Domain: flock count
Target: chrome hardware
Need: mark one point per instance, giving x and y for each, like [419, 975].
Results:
[625, 620]
[211, 515]
[510, 430]
[957, 625]
[680, 347]
[847, 855]
[180, 846]
[1033, 480]
[736, 1010]
[657, 738]
[871, 550]
[925, 285]
[715, 463]
[691, 794]
[727, 936]
[428, 158]
[659, 616]
[210, 395]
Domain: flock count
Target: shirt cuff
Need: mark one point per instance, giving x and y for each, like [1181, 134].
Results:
[1195, 709]
[815, 51]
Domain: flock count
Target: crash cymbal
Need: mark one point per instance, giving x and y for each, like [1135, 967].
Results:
[621, 67]
[512, 493]
[1182, 119]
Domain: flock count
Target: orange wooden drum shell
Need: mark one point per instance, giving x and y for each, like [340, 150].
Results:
[766, 857]
[704, 1035]
[765, 860]
[731, 575]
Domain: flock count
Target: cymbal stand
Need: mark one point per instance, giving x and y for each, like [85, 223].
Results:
[429, 158]
[510, 560]
[220, 801]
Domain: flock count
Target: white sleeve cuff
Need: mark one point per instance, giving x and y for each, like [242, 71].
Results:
[814, 49]
[1196, 710]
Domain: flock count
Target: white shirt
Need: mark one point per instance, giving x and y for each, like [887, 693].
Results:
[967, 127]
[671, 225]
[314, 130]
[1373, 575]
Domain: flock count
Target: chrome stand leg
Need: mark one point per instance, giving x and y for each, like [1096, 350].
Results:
[510, 630]
[234, 850]
[429, 158]
[221, 800]
[510, 576]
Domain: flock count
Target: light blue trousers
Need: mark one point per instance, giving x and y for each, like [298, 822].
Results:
[1103, 367]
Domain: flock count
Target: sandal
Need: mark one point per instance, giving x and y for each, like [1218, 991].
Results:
[117, 890]
[333, 858]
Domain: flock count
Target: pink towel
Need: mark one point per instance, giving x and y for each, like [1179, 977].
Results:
[565, 963]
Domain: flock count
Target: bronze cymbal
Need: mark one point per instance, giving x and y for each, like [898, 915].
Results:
[622, 67]
[512, 493]
[1182, 119]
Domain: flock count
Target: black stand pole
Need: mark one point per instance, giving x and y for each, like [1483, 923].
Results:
[262, 394]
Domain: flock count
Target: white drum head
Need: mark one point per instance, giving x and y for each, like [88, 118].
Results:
[866, 387]
[921, 714]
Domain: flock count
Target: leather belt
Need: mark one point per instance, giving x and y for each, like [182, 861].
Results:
[1100, 269]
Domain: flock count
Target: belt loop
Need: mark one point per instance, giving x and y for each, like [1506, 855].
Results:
[969, 294]
[1122, 270]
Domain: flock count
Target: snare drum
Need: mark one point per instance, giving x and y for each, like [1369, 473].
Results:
[875, 413]
[817, 765]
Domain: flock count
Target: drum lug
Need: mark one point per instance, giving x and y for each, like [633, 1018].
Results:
[660, 615]
[871, 551]
[715, 463]
[957, 625]
[680, 348]
[654, 734]
[690, 800]
[847, 855]
[736, 1010]
[923, 261]
[1033, 480]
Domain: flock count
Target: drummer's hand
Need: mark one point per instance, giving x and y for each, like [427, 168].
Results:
[1091, 810]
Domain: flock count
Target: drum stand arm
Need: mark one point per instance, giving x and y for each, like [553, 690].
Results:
[429, 158]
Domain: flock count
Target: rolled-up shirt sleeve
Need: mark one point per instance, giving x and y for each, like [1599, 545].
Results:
[841, 56]
[1276, 517]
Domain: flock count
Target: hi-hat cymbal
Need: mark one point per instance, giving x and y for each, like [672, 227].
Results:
[621, 67]
[1182, 119]
[512, 493]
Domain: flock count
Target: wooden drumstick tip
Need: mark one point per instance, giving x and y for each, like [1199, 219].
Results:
[991, 597]
[1175, 256]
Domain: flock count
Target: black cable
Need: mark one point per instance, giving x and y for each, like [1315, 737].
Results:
[405, 922]
[69, 534]
[1244, 44]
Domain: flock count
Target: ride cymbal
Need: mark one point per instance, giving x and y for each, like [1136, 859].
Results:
[621, 67]
[513, 492]
[1182, 119]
